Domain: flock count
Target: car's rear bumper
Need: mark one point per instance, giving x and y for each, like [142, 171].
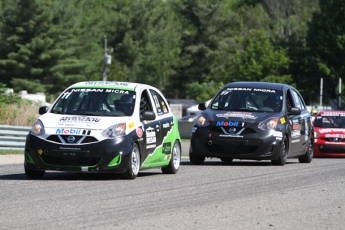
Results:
[110, 155]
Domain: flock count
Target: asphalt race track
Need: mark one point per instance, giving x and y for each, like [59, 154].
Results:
[241, 195]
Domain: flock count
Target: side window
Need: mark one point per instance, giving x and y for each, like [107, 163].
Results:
[289, 100]
[298, 102]
[159, 103]
[145, 103]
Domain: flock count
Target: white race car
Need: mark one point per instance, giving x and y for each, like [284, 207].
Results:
[105, 127]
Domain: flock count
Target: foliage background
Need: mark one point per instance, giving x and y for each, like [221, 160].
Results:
[186, 48]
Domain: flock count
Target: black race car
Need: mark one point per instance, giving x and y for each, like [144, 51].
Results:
[254, 121]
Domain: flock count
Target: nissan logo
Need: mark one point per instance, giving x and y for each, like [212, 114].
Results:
[71, 139]
[232, 130]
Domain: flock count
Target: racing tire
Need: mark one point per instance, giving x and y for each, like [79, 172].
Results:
[133, 164]
[196, 159]
[283, 154]
[308, 156]
[226, 160]
[175, 160]
[34, 174]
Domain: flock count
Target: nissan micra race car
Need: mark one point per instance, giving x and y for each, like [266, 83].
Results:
[105, 127]
[329, 132]
[255, 121]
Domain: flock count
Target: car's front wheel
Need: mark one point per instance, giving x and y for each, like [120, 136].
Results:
[175, 160]
[283, 153]
[33, 174]
[196, 159]
[308, 156]
[133, 164]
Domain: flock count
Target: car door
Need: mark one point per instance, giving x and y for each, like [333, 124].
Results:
[151, 128]
[296, 125]
[165, 118]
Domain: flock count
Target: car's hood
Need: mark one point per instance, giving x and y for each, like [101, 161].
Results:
[51, 120]
[243, 116]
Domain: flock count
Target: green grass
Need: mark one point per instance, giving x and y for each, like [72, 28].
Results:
[6, 152]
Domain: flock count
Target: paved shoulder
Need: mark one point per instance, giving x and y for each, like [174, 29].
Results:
[11, 159]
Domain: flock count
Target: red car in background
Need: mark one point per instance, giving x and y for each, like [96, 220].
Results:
[329, 134]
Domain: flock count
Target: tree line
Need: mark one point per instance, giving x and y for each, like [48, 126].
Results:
[186, 48]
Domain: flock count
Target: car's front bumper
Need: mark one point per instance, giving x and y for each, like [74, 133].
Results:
[323, 149]
[111, 155]
[256, 147]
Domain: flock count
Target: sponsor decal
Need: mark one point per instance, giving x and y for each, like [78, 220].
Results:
[68, 148]
[243, 115]
[68, 131]
[166, 125]
[277, 134]
[165, 110]
[150, 136]
[295, 133]
[229, 135]
[116, 91]
[88, 90]
[335, 136]
[80, 120]
[139, 132]
[120, 91]
[151, 146]
[332, 114]
[112, 83]
[252, 89]
[331, 130]
[166, 148]
[229, 123]
[131, 125]
[282, 120]
[295, 126]
[40, 151]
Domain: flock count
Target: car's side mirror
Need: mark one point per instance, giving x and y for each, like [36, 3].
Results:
[294, 111]
[202, 106]
[42, 110]
[148, 115]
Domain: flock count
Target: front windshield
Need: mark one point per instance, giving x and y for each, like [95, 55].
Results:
[329, 120]
[249, 99]
[97, 102]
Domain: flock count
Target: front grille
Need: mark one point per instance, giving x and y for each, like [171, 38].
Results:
[71, 161]
[218, 129]
[85, 139]
[331, 149]
[334, 139]
[233, 147]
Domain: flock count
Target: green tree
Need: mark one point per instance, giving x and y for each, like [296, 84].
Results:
[40, 47]
[326, 43]
[206, 40]
[145, 38]
[259, 60]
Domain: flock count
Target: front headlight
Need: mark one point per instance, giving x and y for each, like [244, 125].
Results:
[270, 123]
[115, 131]
[201, 121]
[37, 129]
[316, 134]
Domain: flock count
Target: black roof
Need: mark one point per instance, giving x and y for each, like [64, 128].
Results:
[251, 84]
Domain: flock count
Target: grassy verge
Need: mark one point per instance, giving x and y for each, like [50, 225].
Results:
[6, 152]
